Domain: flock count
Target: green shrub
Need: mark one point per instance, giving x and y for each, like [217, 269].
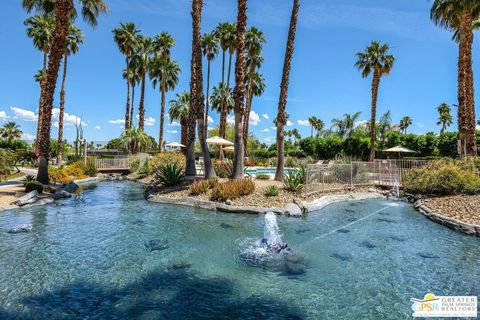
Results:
[292, 162]
[262, 176]
[295, 180]
[145, 169]
[232, 189]
[90, 168]
[444, 177]
[271, 191]
[33, 185]
[28, 178]
[224, 169]
[170, 174]
[199, 187]
[134, 164]
[164, 158]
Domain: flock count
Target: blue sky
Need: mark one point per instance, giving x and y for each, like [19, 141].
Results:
[323, 80]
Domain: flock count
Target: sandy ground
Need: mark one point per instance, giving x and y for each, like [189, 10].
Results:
[10, 193]
[462, 207]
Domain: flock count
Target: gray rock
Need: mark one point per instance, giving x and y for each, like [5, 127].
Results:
[61, 195]
[71, 187]
[228, 202]
[293, 210]
[21, 229]
[29, 198]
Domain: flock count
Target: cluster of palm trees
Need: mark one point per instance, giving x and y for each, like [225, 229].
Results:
[145, 56]
[53, 32]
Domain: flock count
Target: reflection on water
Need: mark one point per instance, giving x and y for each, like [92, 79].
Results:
[109, 254]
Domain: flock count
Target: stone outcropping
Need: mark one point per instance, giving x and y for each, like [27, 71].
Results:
[29, 198]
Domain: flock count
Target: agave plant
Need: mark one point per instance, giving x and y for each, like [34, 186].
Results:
[295, 180]
[170, 174]
[28, 178]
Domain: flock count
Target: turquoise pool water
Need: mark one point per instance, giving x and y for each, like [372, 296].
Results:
[108, 254]
[255, 171]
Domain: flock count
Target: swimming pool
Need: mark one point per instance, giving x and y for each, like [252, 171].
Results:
[271, 171]
[110, 254]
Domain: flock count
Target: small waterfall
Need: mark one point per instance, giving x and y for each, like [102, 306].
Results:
[271, 232]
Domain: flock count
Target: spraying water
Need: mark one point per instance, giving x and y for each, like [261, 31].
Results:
[271, 232]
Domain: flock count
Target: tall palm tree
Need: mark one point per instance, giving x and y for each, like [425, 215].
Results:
[222, 96]
[226, 33]
[445, 118]
[196, 113]
[296, 135]
[75, 38]
[10, 131]
[141, 58]
[239, 91]
[282, 101]
[405, 122]
[126, 38]
[210, 50]
[375, 58]
[40, 29]
[312, 121]
[165, 72]
[460, 16]
[133, 75]
[318, 126]
[346, 125]
[135, 140]
[62, 10]
[179, 111]
[256, 85]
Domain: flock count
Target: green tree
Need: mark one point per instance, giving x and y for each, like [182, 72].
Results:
[141, 58]
[210, 50]
[135, 140]
[376, 59]
[178, 111]
[405, 122]
[126, 37]
[445, 118]
[10, 131]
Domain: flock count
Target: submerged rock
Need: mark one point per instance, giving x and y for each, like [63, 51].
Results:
[25, 228]
[62, 194]
[341, 257]
[71, 187]
[349, 210]
[427, 255]
[29, 198]
[226, 226]
[397, 238]
[293, 210]
[366, 244]
[386, 220]
[343, 231]
[157, 245]
[302, 231]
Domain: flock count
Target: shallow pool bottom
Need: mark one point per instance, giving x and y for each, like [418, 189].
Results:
[110, 254]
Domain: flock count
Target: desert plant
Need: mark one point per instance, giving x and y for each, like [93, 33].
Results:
[34, 185]
[90, 168]
[199, 187]
[271, 191]
[170, 174]
[163, 158]
[145, 169]
[262, 176]
[295, 180]
[135, 164]
[224, 169]
[232, 189]
[28, 178]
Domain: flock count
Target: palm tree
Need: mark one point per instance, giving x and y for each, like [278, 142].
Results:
[226, 33]
[40, 29]
[312, 121]
[445, 118]
[135, 78]
[296, 135]
[62, 10]
[135, 140]
[405, 122]
[179, 112]
[254, 41]
[10, 131]
[383, 127]
[75, 38]
[126, 38]
[141, 58]
[375, 58]
[210, 50]
[196, 113]
[282, 101]
[346, 125]
[460, 16]
[165, 72]
[222, 96]
[239, 91]
[318, 126]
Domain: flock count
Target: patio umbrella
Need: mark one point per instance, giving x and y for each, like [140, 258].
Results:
[230, 148]
[400, 149]
[175, 144]
[219, 141]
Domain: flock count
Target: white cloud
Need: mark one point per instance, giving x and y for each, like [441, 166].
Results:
[266, 130]
[149, 121]
[3, 115]
[28, 136]
[362, 123]
[274, 128]
[210, 119]
[22, 114]
[67, 118]
[172, 131]
[420, 125]
[289, 123]
[254, 118]
[231, 119]
[56, 124]
[269, 139]
[118, 121]
[266, 116]
[174, 124]
[304, 123]
[98, 127]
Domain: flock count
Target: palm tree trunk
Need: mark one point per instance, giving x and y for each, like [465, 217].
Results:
[162, 119]
[132, 106]
[282, 103]
[461, 115]
[470, 120]
[127, 108]
[246, 118]
[183, 134]
[62, 112]
[141, 107]
[239, 92]
[62, 12]
[373, 135]
[207, 98]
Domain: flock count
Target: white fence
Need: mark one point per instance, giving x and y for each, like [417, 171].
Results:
[335, 176]
[115, 163]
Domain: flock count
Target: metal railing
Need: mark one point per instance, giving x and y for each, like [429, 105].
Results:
[115, 163]
[339, 176]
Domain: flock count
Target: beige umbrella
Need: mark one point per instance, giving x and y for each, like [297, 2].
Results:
[230, 148]
[219, 141]
[175, 144]
[400, 149]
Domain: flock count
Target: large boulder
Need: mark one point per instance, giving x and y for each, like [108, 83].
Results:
[61, 195]
[29, 198]
[293, 210]
[71, 187]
